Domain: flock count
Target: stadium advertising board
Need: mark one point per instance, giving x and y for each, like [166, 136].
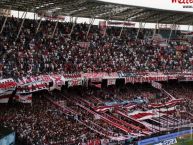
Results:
[168, 142]
[164, 138]
[173, 5]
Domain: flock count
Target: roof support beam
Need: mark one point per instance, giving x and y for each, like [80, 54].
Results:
[173, 25]
[149, 16]
[91, 22]
[73, 25]
[136, 13]
[183, 18]
[140, 26]
[55, 28]
[165, 17]
[122, 27]
[3, 25]
[39, 24]
[24, 14]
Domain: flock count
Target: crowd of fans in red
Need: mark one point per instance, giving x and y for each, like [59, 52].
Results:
[44, 122]
[34, 53]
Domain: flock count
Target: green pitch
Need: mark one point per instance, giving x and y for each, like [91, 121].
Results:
[184, 140]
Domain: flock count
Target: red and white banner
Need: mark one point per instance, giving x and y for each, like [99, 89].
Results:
[156, 85]
[72, 76]
[58, 82]
[111, 82]
[7, 86]
[45, 78]
[24, 98]
[101, 75]
[74, 83]
[32, 87]
[49, 82]
[170, 103]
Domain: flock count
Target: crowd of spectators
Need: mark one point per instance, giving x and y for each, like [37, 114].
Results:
[41, 51]
[43, 122]
[184, 91]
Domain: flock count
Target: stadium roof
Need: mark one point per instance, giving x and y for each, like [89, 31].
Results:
[100, 10]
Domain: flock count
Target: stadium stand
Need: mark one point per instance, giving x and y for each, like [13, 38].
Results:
[37, 53]
[69, 83]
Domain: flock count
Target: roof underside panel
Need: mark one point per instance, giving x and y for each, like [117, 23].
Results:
[96, 9]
